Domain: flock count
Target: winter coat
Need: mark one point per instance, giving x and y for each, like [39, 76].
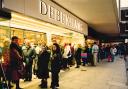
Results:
[6, 56]
[6, 62]
[78, 54]
[42, 64]
[56, 62]
[16, 61]
[29, 55]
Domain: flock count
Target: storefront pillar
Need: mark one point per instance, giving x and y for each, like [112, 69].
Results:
[49, 37]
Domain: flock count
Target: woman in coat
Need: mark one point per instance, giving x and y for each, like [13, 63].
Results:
[16, 60]
[6, 62]
[42, 71]
[55, 65]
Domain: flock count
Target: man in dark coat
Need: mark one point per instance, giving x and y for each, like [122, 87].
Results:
[78, 56]
[42, 71]
[16, 60]
[89, 55]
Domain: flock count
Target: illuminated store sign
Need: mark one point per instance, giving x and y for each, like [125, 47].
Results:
[57, 15]
[47, 11]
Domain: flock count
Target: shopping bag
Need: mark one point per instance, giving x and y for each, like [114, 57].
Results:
[83, 55]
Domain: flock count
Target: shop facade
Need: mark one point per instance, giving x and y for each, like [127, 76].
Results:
[41, 21]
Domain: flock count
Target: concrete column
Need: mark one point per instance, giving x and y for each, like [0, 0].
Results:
[49, 39]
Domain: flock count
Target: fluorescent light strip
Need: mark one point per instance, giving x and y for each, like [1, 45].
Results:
[35, 21]
[28, 23]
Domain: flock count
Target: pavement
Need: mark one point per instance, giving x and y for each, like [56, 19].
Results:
[106, 75]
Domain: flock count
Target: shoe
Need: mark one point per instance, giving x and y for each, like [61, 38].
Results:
[83, 64]
[30, 80]
[43, 85]
[10, 86]
[25, 80]
[40, 85]
[53, 87]
[77, 67]
[57, 85]
[19, 88]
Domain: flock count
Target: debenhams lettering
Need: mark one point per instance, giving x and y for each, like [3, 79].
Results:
[60, 16]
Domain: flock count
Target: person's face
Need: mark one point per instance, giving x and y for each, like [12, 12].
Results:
[28, 44]
[16, 41]
[54, 47]
[43, 49]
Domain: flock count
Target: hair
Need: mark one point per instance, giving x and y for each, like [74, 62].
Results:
[14, 37]
[6, 43]
[94, 42]
[57, 47]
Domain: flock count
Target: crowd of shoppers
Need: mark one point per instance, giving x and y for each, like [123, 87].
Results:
[23, 61]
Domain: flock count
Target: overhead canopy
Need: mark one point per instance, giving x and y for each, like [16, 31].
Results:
[101, 15]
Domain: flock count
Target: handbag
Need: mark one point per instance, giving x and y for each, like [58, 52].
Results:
[83, 55]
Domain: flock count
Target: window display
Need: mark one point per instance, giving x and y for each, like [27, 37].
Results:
[31, 36]
[4, 34]
[18, 33]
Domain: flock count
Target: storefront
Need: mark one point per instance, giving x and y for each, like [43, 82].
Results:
[41, 21]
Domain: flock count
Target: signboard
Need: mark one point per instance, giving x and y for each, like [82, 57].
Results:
[47, 11]
[124, 14]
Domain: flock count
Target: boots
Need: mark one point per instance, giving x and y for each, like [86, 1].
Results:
[17, 85]
[44, 83]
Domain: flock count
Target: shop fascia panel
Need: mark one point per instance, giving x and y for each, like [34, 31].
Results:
[27, 23]
[32, 8]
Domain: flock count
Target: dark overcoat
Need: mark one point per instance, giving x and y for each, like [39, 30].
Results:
[16, 61]
[42, 64]
[78, 56]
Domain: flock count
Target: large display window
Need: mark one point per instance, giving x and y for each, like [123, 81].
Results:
[72, 39]
[37, 31]
[57, 39]
[4, 34]
[62, 40]
[18, 33]
[41, 38]
[35, 37]
[31, 36]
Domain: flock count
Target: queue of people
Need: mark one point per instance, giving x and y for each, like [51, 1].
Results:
[20, 62]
